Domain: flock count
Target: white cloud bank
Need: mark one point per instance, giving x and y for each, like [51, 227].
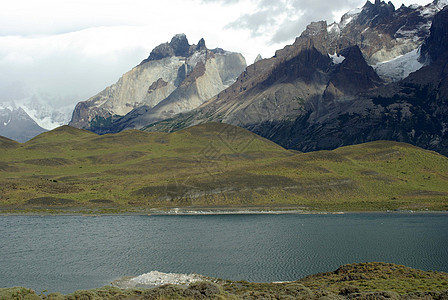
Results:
[70, 50]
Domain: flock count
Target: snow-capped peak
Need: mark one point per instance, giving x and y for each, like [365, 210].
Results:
[45, 114]
[48, 119]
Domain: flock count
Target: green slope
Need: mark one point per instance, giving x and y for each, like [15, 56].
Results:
[213, 165]
[6, 143]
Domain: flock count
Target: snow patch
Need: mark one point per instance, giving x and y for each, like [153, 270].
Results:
[48, 111]
[7, 106]
[194, 59]
[350, 16]
[336, 58]
[441, 4]
[48, 119]
[432, 8]
[346, 21]
[333, 28]
[156, 278]
[399, 67]
[412, 34]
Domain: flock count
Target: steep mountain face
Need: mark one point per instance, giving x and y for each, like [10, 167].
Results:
[413, 110]
[176, 77]
[436, 44]
[17, 125]
[321, 92]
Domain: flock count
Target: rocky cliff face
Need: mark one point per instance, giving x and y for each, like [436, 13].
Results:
[412, 110]
[322, 92]
[176, 77]
[436, 45]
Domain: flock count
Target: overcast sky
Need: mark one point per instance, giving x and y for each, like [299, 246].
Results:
[72, 49]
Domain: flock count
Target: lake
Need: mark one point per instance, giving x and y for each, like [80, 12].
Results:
[67, 253]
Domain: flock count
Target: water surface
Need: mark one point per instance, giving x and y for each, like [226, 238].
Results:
[67, 253]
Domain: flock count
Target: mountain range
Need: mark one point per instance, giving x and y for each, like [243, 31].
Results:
[322, 92]
[378, 74]
[176, 77]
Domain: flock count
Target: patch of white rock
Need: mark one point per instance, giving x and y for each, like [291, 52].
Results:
[156, 278]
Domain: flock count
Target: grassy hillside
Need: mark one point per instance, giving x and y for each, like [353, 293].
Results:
[213, 165]
[355, 281]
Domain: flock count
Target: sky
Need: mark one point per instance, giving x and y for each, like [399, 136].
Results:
[69, 50]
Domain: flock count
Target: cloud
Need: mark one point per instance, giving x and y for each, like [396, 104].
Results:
[258, 23]
[283, 20]
[77, 64]
[77, 48]
[224, 2]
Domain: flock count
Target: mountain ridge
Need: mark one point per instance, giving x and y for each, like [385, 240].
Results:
[338, 106]
[176, 77]
[17, 125]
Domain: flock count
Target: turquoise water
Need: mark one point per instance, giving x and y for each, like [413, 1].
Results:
[66, 253]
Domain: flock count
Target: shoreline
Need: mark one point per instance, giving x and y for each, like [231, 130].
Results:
[200, 211]
[332, 283]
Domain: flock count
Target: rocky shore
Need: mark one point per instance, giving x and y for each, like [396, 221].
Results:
[354, 281]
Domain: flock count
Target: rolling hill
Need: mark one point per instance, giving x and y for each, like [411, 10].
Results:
[214, 165]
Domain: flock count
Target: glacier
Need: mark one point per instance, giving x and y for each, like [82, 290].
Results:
[399, 67]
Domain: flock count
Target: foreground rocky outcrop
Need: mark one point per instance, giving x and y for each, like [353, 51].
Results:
[176, 77]
[355, 281]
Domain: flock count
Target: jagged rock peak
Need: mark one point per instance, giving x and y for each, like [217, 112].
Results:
[178, 46]
[314, 29]
[179, 37]
[160, 52]
[379, 3]
[258, 58]
[201, 45]
[374, 14]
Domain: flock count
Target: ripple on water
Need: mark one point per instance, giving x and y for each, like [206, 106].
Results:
[66, 253]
